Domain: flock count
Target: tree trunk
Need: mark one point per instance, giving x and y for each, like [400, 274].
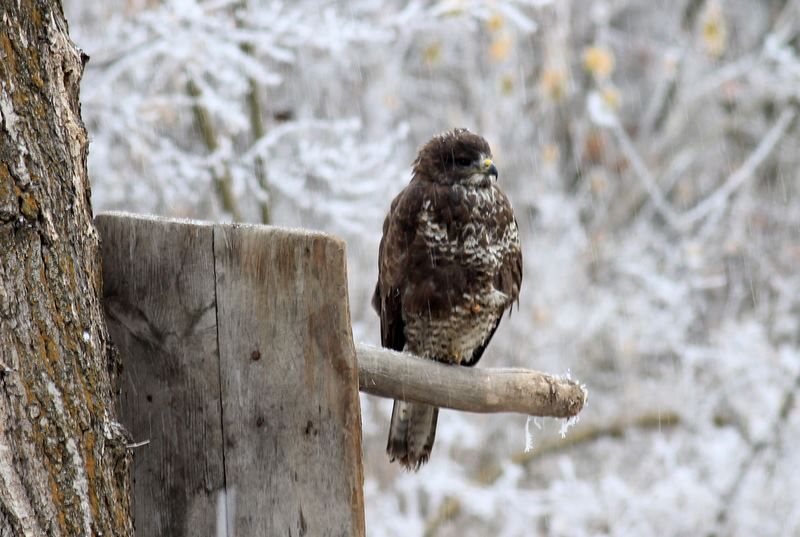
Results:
[63, 459]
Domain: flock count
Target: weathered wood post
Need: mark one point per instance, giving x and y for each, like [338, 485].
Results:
[240, 370]
[242, 376]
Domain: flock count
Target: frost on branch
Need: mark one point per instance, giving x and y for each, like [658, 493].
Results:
[649, 152]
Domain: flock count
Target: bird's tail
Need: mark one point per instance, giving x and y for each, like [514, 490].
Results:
[411, 433]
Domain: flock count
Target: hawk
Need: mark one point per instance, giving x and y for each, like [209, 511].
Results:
[449, 265]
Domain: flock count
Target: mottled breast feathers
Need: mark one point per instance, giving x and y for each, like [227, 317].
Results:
[450, 242]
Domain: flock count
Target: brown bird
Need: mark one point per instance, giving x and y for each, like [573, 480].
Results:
[449, 265]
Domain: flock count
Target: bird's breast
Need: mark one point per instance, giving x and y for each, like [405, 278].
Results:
[472, 227]
[451, 338]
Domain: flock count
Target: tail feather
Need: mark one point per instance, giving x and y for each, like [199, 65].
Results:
[411, 433]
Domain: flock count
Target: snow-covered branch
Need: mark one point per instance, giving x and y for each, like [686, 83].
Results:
[717, 199]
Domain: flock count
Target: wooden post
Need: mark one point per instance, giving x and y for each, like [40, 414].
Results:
[240, 371]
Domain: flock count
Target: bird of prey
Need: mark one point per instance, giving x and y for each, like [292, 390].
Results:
[449, 265]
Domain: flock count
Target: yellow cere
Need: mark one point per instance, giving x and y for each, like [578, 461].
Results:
[487, 163]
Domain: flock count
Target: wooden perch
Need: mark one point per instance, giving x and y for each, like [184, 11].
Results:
[404, 376]
[240, 370]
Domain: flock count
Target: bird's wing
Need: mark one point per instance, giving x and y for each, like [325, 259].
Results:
[399, 230]
[508, 280]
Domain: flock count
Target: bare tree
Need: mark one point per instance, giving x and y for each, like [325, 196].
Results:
[63, 458]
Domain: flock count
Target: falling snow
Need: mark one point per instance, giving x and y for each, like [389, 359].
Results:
[649, 150]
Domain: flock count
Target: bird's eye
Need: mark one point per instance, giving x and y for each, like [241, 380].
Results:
[463, 162]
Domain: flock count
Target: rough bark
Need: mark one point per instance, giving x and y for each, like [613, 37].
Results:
[63, 460]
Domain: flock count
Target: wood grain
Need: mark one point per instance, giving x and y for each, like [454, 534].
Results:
[160, 308]
[289, 384]
[240, 371]
[398, 375]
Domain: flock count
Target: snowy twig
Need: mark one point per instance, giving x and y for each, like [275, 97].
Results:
[222, 180]
[404, 376]
[448, 509]
[663, 99]
[744, 172]
[685, 220]
[756, 448]
[718, 78]
[257, 125]
[582, 435]
[648, 181]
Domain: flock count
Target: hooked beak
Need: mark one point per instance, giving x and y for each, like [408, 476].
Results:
[488, 168]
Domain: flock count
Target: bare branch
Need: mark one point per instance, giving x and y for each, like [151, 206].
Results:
[589, 433]
[648, 181]
[223, 181]
[448, 510]
[744, 172]
[404, 376]
[258, 130]
[683, 221]
[581, 435]
[719, 77]
[756, 448]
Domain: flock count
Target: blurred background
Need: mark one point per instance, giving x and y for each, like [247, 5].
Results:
[650, 150]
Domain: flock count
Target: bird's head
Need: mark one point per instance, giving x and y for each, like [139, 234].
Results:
[456, 157]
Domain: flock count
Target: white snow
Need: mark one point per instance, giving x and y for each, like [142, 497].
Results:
[660, 234]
